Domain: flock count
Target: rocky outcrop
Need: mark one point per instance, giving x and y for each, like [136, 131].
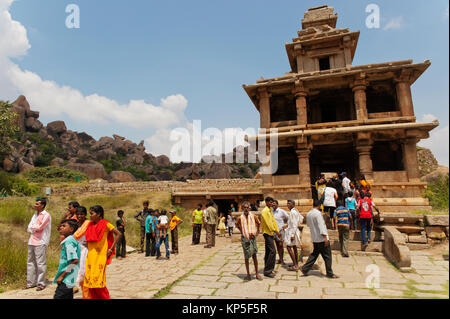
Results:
[121, 177]
[92, 169]
[436, 174]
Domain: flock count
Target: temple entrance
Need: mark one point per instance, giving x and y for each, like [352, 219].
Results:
[224, 206]
[335, 158]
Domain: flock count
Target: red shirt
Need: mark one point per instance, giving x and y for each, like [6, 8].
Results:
[365, 206]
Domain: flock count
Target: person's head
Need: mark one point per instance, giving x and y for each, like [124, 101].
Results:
[367, 187]
[40, 204]
[72, 207]
[156, 212]
[163, 212]
[245, 207]
[335, 176]
[322, 176]
[96, 213]
[81, 214]
[290, 203]
[210, 204]
[350, 194]
[120, 213]
[199, 206]
[274, 204]
[329, 183]
[145, 204]
[269, 201]
[340, 202]
[344, 174]
[173, 213]
[232, 205]
[317, 203]
[68, 227]
[362, 177]
[364, 195]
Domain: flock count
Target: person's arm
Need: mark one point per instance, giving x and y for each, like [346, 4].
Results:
[116, 239]
[137, 215]
[258, 225]
[179, 221]
[322, 229]
[68, 270]
[37, 227]
[238, 224]
[350, 219]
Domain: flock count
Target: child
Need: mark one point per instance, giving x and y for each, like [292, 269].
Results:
[121, 244]
[343, 220]
[163, 223]
[230, 222]
[350, 204]
[222, 227]
[68, 261]
[80, 236]
[174, 222]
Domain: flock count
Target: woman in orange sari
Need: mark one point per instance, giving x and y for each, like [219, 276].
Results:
[80, 237]
[101, 245]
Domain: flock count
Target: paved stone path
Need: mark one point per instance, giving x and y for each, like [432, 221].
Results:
[199, 273]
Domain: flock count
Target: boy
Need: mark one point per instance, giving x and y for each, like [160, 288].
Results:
[68, 261]
[121, 245]
[350, 204]
[343, 220]
[163, 223]
[174, 222]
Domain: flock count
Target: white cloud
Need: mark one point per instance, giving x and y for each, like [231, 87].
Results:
[438, 143]
[429, 118]
[394, 24]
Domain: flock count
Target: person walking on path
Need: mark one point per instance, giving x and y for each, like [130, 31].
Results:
[39, 228]
[230, 223]
[210, 220]
[141, 216]
[330, 196]
[197, 222]
[101, 243]
[122, 243]
[350, 204]
[248, 225]
[269, 228]
[343, 220]
[69, 258]
[319, 236]
[174, 222]
[365, 213]
[80, 236]
[281, 218]
[292, 237]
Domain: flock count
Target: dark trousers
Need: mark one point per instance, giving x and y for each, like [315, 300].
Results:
[270, 254]
[121, 246]
[230, 230]
[211, 235]
[62, 292]
[148, 244]
[365, 229]
[196, 232]
[320, 249]
[142, 238]
[174, 237]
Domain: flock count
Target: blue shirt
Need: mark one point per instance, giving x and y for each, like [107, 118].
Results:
[350, 203]
[70, 250]
[343, 216]
[150, 224]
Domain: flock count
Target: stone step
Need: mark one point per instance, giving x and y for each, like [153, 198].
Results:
[356, 235]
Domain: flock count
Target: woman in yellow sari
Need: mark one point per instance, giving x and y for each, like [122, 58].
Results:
[101, 245]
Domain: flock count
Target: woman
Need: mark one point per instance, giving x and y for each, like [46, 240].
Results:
[79, 235]
[222, 226]
[101, 244]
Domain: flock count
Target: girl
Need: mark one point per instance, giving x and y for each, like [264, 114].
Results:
[80, 237]
[222, 226]
[101, 244]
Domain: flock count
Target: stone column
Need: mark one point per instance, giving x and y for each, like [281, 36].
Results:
[359, 91]
[365, 161]
[304, 175]
[264, 108]
[300, 101]
[404, 98]
[410, 159]
[347, 50]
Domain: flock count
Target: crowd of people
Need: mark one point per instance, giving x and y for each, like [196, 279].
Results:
[88, 245]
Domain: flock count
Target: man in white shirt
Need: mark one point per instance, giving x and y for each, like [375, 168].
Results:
[346, 184]
[329, 202]
[319, 236]
[281, 218]
[39, 227]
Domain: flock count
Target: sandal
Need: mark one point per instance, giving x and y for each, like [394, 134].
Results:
[39, 288]
[292, 268]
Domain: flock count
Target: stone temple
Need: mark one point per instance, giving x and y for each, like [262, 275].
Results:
[333, 116]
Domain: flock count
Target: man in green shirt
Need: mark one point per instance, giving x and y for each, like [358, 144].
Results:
[197, 221]
[210, 224]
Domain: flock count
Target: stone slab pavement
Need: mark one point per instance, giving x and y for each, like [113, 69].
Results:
[217, 273]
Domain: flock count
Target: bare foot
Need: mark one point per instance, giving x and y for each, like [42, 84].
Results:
[258, 276]
[247, 278]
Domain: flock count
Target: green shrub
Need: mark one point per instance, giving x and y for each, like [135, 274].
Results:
[437, 193]
[53, 174]
[49, 150]
[14, 185]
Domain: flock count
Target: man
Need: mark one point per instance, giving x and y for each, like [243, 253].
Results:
[141, 216]
[292, 234]
[281, 218]
[174, 222]
[319, 236]
[248, 225]
[197, 221]
[39, 227]
[149, 234]
[346, 184]
[343, 220]
[269, 228]
[330, 196]
[210, 222]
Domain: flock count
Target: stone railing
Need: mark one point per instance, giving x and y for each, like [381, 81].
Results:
[395, 249]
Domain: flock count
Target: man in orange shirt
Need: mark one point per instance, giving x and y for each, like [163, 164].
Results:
[173, 225]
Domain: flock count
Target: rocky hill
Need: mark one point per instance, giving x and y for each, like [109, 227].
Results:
[112, 158]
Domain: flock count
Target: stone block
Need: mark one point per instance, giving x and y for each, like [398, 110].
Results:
[347, 291]
[394, 247]
[435, 232]
[417, 239]
[437, 220]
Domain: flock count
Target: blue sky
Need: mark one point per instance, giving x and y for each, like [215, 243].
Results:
[205, 50]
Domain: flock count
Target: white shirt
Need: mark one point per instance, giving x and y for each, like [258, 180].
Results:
[163, 219]
[346, 184]
[330, 200]
[280, 215]
[316, 224]
[40, 227]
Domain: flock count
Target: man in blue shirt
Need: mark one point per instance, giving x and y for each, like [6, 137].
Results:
[343, 220]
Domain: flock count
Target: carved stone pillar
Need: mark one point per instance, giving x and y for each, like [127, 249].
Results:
[347, 50]
[404, 98]
[303, 166]
[264, 108]
[359, 91]
[300, 101]
[410, 159]
[365, 161]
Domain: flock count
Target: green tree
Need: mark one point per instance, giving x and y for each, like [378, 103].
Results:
[8, 127]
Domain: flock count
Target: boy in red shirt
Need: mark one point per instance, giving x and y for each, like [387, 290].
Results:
[366, 217]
